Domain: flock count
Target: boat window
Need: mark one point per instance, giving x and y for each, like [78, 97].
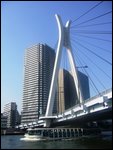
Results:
[38, 132]
[31, 132]
[34, 132]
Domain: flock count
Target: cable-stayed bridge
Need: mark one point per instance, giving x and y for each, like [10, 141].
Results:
[97, 107]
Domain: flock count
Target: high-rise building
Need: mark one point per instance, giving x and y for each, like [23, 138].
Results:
[84, 81]
[60, 91]
[67, 96]
[10, 110]
[38, 69]
[66, 91]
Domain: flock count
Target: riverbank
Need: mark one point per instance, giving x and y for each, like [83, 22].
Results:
[12, 132]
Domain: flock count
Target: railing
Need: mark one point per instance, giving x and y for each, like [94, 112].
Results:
[99, 95]
[89, 99]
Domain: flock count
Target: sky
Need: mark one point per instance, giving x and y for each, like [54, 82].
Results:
[25, 23]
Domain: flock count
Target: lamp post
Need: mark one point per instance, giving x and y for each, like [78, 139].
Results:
[82, 67]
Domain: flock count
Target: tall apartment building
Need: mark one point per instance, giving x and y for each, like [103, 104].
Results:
[67, 96]
[38, 69]
[10, 110]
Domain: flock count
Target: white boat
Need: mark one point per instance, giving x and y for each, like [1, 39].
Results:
[37, 134]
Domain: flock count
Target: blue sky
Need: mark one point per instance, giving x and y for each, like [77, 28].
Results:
[25, 23]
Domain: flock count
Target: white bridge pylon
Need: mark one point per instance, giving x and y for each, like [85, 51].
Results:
[63, 40]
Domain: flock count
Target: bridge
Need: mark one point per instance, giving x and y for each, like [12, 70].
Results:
[98, 107]
[95, 108]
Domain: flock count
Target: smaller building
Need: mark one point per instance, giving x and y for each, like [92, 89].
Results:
[10, 111]
[3, 121]
[18, 118]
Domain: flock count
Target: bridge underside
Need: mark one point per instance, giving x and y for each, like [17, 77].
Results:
[82, 120]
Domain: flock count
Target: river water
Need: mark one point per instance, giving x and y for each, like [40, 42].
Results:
[14, 142]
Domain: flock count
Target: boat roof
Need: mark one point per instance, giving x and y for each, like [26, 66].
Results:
[30, 129]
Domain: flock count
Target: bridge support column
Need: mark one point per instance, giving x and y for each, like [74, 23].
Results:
[47, 122]
[64, 40]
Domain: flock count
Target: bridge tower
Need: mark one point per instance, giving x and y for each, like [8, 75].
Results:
[63, 40]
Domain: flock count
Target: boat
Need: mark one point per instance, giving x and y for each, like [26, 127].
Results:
[38, 134]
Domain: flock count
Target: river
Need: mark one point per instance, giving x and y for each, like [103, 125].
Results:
[14, 142]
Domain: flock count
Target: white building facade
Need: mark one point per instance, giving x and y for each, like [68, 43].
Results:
[38, 69]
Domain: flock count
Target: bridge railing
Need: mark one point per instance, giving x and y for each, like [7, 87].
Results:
[99, 95]
[88, 100]
[107, 91]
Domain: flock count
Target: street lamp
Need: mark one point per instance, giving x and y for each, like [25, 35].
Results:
[83, 67]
